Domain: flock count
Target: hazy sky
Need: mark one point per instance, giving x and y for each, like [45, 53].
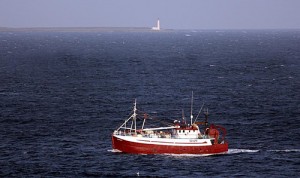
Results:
[174, 14]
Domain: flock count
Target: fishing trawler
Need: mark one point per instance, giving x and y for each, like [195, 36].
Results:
[177, 138]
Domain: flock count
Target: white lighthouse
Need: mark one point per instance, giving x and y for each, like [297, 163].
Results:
[157, 26]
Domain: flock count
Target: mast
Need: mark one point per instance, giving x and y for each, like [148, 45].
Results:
[192, 107]
[143, 124]
[145, 117]
[183, 118]
[134, 116]
[206, 116]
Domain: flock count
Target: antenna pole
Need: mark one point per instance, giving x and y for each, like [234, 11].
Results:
[206, 115]
[192, 107]
[134, 116]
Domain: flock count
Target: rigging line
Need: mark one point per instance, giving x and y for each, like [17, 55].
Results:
[199, 112]
[128, 118]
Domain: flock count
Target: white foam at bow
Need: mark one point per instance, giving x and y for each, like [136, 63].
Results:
[114, 151]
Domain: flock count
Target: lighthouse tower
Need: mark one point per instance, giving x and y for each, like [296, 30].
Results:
[157, 26]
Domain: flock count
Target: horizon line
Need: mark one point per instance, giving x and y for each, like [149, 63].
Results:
[132, 28]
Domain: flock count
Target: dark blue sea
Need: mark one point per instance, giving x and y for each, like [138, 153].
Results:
[63, 93]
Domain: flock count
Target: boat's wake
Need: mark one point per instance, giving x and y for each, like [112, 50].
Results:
[287, 150]
[230, 151]
[235, 151]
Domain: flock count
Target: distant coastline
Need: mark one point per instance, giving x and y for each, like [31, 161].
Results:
[120, 29]
[81, 29]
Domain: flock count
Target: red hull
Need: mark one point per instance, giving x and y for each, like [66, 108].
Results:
[140, 148]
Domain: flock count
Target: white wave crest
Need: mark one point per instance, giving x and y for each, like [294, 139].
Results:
[114, 151]
[235, 151]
